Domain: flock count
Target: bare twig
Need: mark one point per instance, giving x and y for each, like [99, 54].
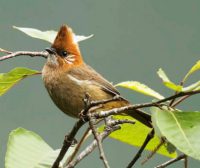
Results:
[85, 135]
[152, 153]
[91, 103]
[88, 105]
[114, 122]
[103, 114]
[171, 161]
[92, 146]
[111, 127]
[98, 139]
[138, 155]
[180, 100]
[186, 161]
[5, 51]
[22, 53]
[69, 139]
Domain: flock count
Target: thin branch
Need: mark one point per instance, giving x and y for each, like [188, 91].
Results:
[22, 53]
[85, 135]
[99, 144]
[180, 100]
[152, 153]
[186, 161]
[111, 127]
[138, 155]
[114, 122]
[103, 114]
[5, 51]
[91, 103]
[171, 161]
[69, 139]
[92, 146]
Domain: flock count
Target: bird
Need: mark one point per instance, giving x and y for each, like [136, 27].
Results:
[68, 79]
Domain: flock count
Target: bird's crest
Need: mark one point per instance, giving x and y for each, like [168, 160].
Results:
[65, 41]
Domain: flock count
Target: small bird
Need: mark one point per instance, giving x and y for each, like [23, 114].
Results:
[68, 78]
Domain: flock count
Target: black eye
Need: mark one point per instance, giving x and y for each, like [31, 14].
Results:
[64, 53]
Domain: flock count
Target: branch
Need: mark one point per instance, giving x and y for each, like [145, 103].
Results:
[84, 137]
[99, 144]
[138, 155]
[152, 153]
[183, 156]
[22, 53]
[111, 127]
[103, 114]
[69, 139]
[91, 147]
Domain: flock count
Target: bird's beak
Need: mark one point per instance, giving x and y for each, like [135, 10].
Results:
[51, 50]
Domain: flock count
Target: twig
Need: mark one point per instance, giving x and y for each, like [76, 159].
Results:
[171, 161]
[103, 114]
[91, 103]
[69, 139]
[111, 127]
[85, 135]
[180, 100]
[162, 141]
[186, 162]
[22, 53]
[138, 155]
[92, 146]
[114, 122]
[5, 51]
[99, 144]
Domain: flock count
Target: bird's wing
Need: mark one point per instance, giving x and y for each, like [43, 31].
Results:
[85, 72]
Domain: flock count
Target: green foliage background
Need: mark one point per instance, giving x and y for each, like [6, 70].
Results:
[133, 38]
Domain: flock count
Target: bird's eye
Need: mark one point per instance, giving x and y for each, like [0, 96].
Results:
[64, 53]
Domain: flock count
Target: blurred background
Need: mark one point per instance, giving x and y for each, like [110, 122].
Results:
[132, 39]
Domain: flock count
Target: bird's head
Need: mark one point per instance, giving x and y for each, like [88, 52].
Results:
[65, 51]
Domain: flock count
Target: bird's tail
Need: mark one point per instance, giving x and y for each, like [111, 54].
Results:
[141, 116]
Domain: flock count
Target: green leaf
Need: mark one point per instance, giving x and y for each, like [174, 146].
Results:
[141, 88]
[181, 129]
[48, 35]
[7, 80]
[167, 82]
[135, 134]
[26, 149]
[194, 68]
[195, 86]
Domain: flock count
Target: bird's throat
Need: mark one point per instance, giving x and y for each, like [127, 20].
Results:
[52, 60]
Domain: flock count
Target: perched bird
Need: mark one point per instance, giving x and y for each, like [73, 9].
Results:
[68, 78]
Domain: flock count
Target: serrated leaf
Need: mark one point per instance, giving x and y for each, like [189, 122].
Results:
[181, 129]
[135, 135]
[26, 149]
[48, 35]
[167, 82]
[8, 80]
[194, 68]
[141, 88]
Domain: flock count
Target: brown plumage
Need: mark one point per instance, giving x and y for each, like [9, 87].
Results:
[67, 78]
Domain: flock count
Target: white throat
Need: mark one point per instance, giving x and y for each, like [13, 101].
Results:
[52, 59]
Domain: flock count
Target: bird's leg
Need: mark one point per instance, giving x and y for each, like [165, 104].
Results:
[92, 105]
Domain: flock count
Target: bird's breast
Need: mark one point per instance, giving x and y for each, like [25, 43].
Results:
[67, 92]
